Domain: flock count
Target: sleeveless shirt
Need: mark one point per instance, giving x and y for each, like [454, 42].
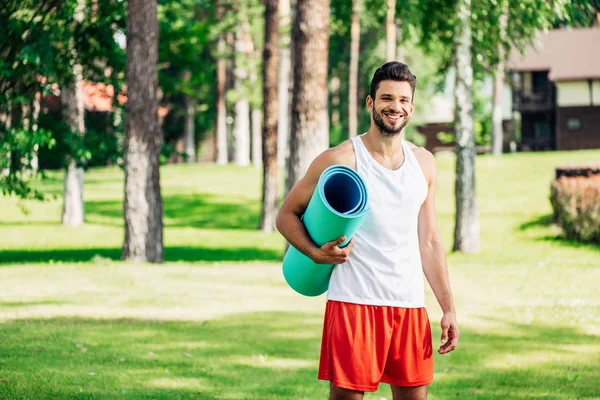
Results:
[384, 267]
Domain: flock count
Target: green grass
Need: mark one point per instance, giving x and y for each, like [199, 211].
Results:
[217, 321]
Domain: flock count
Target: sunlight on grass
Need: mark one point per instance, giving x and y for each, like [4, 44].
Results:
[175, 383]
[265, 361]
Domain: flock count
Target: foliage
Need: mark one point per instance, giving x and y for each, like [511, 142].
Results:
[36, 52]
[576, 205]
[525, 19]
[17, 170]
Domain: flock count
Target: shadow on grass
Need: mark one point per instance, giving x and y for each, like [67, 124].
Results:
[172, 254]
[11, 304]
[569, 242]
[201, 210]
[541, 221]
[270, 355]
[547, 221]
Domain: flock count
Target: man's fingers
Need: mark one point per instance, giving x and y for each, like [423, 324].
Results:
[444, 337]
[448, 346]
[350, 245]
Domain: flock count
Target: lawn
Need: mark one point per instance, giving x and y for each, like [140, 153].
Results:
[217, 321]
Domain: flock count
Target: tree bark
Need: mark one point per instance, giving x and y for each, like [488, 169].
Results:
[189, 142]
[74, 113]
[35, 118]
[270, 189]
[390, 31]
[353, 81]
[221, 132]
[255, 120]
[466, 234]
[309, 135]
[241, 122]
[497, 133]
[143, 203]
[399, 38]
[285, 73]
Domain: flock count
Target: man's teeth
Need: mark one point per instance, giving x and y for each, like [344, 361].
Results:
[391, 116]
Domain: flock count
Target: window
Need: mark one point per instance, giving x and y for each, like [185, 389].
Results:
[574, 123]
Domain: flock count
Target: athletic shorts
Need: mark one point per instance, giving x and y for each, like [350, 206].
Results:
[364, 345]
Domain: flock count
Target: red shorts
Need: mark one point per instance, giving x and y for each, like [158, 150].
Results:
[364, 345]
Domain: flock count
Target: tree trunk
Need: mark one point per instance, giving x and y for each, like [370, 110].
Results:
[497, 134]
[143, 202]
[309, 135]
[270, 189]
[466, 234]
[221, 132]
[35, 118]
[335, 97]
[241, 127]
[255, 118]
[241, 132]
[189, 129]
[353, 81]
[399, 38]
[390, 31]
[285, 73]
[74, 113]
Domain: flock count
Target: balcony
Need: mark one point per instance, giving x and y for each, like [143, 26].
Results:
[533, 101]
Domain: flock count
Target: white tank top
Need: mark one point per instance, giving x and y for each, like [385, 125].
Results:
[384, 268]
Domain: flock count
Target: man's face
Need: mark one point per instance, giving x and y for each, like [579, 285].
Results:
[392, 107]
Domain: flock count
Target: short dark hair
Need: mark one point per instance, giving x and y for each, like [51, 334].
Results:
[395, 71]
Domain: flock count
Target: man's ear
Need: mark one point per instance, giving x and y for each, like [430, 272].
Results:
[369, 103]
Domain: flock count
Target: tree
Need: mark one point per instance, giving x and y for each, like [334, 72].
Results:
[497, 134]
[143, 202]
[470, 33]
[466, 234]
[285, 73]
[241, 128]
[309, 135]
[72, 102]
[390, 31]
[353, 77]
[221, 124]
[189, 129]
[270, 189]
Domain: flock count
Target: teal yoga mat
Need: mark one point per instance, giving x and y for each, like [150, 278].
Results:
[337, 208]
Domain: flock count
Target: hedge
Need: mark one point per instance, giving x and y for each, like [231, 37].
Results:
[576, 204]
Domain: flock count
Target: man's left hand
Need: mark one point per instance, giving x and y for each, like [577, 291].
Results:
[450, 333]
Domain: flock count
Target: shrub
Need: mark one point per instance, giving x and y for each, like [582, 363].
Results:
[576, 204]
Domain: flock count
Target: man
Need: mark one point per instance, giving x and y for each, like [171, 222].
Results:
[376, 328]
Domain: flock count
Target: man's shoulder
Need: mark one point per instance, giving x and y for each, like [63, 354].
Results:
[426, 160]
[420, 152]
[341, 154]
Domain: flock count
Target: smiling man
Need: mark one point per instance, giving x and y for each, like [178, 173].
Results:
[376, 327]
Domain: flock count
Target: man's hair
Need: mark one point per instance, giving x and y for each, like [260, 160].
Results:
[394, 71]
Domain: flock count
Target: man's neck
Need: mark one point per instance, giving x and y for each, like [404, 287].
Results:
[386, 146]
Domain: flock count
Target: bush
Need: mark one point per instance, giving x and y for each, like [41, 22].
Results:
[576, 204]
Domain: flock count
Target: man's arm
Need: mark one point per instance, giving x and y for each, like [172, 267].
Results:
[433, 257]
[289, 221]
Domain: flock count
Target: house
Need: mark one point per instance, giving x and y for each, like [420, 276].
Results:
[556, 90]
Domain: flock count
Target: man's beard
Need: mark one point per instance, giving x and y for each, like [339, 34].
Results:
[386, 129]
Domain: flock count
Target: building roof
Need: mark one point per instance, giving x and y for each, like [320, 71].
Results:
[569, 54]
[97, 97]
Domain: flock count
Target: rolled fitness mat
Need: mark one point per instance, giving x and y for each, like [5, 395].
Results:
[337, 208]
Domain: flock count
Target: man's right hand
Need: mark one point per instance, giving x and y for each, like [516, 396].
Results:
[330, 253]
